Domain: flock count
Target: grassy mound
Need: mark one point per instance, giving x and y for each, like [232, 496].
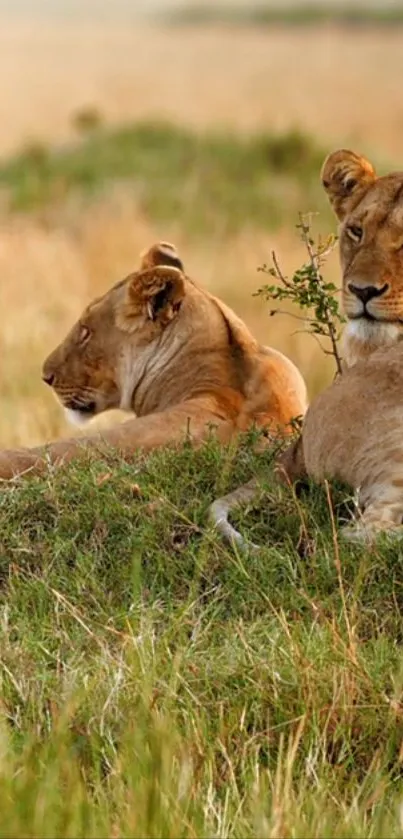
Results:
[155, 683]
[203, 182]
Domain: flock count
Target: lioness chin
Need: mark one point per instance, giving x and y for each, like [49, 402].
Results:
[353, 431]
[161, 347]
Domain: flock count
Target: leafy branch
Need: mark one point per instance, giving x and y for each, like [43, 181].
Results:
[308, 290]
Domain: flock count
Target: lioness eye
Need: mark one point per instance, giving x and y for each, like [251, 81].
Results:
[355, 232]
[84, 334]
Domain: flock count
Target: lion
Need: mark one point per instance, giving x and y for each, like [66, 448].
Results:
[161, 347]
[353, 431]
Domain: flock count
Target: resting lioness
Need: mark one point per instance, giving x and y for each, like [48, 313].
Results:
[353, 431]
[161, 347]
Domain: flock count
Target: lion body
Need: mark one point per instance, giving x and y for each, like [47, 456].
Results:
[362, 446]
[161, 347]
[353, 431]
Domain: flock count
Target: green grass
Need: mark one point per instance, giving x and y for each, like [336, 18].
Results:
[302, 14]
[155, 683]
[202, 181]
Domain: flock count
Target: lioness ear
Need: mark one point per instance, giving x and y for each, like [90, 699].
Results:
[346, 176]
[157, 292]
[162, 253]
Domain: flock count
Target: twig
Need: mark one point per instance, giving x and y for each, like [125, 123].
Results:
[308, 289]
[316, 265]
[279, 272]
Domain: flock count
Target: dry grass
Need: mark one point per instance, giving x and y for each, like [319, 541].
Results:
[340, 86]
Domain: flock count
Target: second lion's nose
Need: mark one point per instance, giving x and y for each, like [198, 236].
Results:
[367, 292]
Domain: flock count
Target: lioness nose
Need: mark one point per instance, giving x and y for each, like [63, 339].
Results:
[367, 292]
[48, 378]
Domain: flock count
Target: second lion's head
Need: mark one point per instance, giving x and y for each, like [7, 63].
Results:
[370, 211]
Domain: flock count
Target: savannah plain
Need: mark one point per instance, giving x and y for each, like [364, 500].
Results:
[153, 681]
[337, 87]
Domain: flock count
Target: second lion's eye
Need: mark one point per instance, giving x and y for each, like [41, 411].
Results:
[354, 231]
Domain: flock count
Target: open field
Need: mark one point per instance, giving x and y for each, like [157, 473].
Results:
[153, 682]
[55, 256]
[246, 80]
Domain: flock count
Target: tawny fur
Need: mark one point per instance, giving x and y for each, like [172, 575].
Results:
[161, 347]
[353, 431]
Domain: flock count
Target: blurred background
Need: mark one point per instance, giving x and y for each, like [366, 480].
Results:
[127, 121]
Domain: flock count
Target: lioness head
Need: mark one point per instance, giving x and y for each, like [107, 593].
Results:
[370, 210]
[117, 339]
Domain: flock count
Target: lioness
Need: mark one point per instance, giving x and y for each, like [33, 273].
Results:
[353, 431]
[161, 347]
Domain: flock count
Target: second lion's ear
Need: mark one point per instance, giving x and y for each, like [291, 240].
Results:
[156, 293]
[346, 177]
[162, 253]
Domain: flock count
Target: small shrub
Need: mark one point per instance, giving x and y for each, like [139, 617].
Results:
[87, 120]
